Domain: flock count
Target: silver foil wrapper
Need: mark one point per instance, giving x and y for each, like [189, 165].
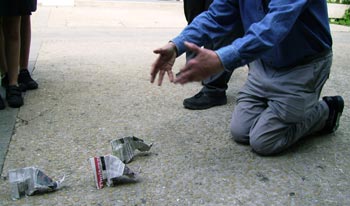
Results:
[31, 180]
[125, 148]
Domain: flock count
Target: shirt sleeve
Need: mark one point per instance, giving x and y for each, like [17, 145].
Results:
[221, 18]
[262, 35]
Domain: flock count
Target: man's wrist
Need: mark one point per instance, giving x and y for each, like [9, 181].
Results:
[173, 45]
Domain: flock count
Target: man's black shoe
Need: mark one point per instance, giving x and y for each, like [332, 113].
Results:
[5, 81]
[14, 96]
[204, 101]
[2, 104]
[336, 106]
[25, 80]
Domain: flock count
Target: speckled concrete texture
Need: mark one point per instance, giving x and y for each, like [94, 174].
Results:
[93, 69]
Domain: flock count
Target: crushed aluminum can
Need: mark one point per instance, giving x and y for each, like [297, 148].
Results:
[108, 169]
[30, 181]
[124, 148]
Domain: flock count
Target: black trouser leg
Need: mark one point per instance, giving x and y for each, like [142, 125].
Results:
[216, 84]
[193, 8]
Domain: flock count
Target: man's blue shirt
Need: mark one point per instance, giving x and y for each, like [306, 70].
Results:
[282, 33]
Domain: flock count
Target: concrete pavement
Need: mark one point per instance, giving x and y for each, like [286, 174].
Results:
[92, 64]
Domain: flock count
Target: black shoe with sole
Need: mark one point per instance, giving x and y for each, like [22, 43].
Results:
[2, 104]
[25, 80]
[204, 101]
[336, 106]
[14, 96]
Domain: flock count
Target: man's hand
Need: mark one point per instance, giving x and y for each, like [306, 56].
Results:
[164, 63]
[205, 64]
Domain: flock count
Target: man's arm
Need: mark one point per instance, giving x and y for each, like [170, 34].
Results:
[221, 19]
[263, 35]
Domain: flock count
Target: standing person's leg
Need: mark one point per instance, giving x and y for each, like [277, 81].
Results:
[3, 66]
[193, 8]
[213, 92]
[26, 33]
[214, 88]
[24, 78]
[216, 85]
[207, 4]
[11, 28]
[12, 46]
[292, 106]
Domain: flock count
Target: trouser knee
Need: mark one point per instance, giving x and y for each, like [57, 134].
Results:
[265, 145]
[239, 133]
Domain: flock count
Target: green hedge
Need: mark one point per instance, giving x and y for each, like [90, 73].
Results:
[339, 1]
[343, 21]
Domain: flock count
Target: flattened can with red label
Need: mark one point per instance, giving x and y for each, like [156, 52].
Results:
[108, 168]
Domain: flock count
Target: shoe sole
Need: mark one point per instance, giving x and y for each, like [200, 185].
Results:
[191, 107]
[339, 109]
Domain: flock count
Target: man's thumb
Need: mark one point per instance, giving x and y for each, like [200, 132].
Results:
[192, 47]
[157, 51]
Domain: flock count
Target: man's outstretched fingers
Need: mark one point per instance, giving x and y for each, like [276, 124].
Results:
[170, 75]
[153, 72]
[160, 77]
